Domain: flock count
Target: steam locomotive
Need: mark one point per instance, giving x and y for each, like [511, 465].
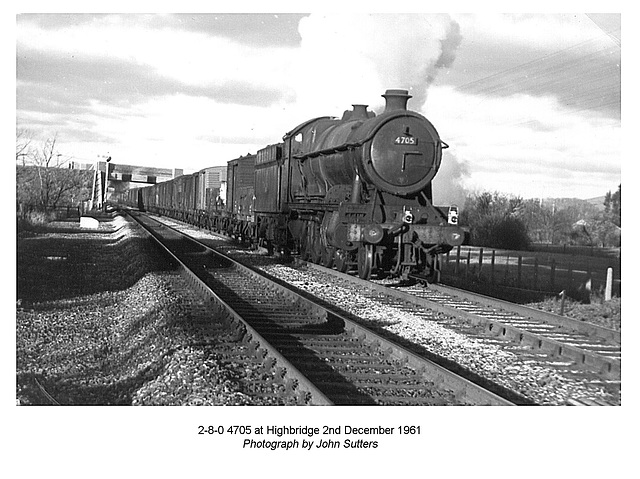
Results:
[345, 192]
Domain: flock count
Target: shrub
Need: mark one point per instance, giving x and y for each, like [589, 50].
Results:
[497, 231]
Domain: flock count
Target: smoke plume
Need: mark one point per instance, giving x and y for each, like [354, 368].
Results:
[448, 184]
[354, 58]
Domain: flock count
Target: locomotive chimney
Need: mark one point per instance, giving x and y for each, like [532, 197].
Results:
[396, 100]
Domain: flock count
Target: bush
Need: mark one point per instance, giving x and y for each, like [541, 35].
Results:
[38, 218]
[497, 231]
[511, 233]
[33, 220]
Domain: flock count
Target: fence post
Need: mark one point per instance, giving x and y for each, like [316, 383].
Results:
[506, 270]
[493, 264]
[609, 286]
[458, 261]
[570, 275]
[562, 296]
[480, 262]
[466, 271]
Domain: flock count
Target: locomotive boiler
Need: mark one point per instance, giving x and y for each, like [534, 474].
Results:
[357, 191]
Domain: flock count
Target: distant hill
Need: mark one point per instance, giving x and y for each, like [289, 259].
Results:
[561, 203]
[597, 202]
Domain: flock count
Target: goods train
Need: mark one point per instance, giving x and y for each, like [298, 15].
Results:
[345, 192]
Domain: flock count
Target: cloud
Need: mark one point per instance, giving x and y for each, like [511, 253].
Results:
[70, 82]
[543, 32]
[97, 100]
[530, 104]
[109, 80]
[565, 56]
[189, 57]
[171, 131]
[255, 29]
[522, 144]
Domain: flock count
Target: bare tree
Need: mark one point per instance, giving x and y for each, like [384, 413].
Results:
[44, 183]
[23, 146]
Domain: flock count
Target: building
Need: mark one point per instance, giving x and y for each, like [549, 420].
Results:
[121, 177]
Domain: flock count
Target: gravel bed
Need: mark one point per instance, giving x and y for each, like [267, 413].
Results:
[538, 383]
[482, 356]
[139, 337]
[600, 312]
[65, 261]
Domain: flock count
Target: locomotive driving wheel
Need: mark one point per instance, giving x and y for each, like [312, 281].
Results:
[365, 261]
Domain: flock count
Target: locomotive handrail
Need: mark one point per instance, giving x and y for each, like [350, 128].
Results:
[350, 146]
[302, 125]
[328, 151]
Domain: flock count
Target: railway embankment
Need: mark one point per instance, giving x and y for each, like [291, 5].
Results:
[100, 320]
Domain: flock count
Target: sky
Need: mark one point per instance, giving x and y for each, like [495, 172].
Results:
[529, 104]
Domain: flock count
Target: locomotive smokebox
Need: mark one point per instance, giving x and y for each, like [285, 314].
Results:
[396, 100]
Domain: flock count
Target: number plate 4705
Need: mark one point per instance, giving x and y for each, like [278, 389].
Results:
[406, 140]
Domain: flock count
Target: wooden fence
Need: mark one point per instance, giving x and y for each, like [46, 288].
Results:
[530, 270]
[577, 250]
[23, 211]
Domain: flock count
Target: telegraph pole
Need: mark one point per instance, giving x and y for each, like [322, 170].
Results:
[106, 184]
[106, 181]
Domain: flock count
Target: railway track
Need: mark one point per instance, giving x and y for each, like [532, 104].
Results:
[564, 361]
[326, 357]
[580, 351]
[588, 345]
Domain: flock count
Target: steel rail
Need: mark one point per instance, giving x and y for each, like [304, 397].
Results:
[550, 318]
[582, 357]
[46, 394]
[317, 397]
[460, 386]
